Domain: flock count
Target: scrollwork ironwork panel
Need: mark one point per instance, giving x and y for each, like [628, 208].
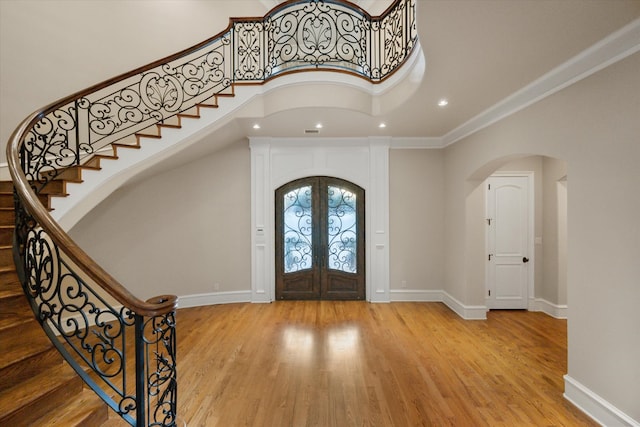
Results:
[298, 230]
[160, 351]
[249, 51]
[309, 34]
[317, 34]
[342, 233]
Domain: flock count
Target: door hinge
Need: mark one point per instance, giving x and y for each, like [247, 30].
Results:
[490, 255]
[489, 221]
[489, 292]
[488, 186]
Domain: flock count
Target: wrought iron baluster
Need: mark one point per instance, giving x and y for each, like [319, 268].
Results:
[141, 377]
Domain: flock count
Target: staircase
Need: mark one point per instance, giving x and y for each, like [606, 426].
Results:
[37, 388]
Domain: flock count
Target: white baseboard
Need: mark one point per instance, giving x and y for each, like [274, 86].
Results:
[415, 295]
[559, 311]
[197, 300]
[467, 312]
[595, 406]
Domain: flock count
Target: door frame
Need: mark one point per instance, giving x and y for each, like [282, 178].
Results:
[363, 161]
[530, 232]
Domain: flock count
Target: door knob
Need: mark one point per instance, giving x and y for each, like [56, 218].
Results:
[525, 259]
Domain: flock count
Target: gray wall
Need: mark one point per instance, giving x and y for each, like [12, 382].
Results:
[416, 234]
[180, 232]
[594, 126]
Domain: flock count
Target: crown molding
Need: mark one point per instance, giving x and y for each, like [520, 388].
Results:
[611, 49]
[416, 142]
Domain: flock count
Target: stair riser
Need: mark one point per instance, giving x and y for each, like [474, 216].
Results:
[7, 217]
[29, 414]
[70, 174]
[6, 256]
[6, 200]
[52, 187]
[6, 236]
[12, 305]
[8, 276]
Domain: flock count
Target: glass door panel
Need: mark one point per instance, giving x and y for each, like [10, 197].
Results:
[342, 230]
[298, 230]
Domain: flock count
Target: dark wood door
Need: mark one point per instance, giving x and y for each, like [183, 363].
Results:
[320, 240]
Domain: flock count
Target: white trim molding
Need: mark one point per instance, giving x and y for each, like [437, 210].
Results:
[213, 298]
[276, 161]
[608, 51]
[595, 406]
[467, 312]
[559, 311]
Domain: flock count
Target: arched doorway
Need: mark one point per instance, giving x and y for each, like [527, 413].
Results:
[319, 244]
[547, 254]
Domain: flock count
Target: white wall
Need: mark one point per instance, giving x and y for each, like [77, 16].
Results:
[594, 126]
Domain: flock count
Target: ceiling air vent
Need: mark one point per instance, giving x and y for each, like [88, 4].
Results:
[310, 131]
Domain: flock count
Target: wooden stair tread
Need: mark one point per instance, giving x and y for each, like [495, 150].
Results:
[21, 344]
[29, 367]
[208, 105]
[7, 270]
[14, 320]
[12, 298]
[170, 126]
[35, 397]
[10, 285]
[85, 409]
[190, 116]
[144, 135]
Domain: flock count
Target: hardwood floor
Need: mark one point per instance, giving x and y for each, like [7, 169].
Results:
[325, 363]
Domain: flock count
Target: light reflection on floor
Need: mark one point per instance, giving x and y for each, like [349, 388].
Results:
[304, 345]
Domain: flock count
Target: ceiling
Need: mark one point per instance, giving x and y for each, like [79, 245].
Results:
[478, 52]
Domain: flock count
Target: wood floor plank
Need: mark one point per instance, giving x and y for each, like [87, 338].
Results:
[332, 363]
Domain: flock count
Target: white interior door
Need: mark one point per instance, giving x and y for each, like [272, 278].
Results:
[508, 217]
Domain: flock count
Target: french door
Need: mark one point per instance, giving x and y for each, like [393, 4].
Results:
[320, 240]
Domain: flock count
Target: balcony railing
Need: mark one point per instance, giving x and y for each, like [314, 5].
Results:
[125, 348]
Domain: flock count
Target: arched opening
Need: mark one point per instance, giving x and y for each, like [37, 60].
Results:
[319, 239]
[546, 248]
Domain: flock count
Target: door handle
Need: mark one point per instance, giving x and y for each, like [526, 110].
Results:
[525, 259]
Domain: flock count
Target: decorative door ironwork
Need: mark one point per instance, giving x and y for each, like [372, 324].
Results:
[320, 240]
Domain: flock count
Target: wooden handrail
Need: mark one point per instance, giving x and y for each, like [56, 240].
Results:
[154, 307]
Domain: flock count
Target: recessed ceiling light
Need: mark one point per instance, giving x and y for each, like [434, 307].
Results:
[256, 126]
[319, 126]
[443, 102]
[382, 125]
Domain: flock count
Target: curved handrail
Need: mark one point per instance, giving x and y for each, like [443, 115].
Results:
[164, 304]
[296, 35]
